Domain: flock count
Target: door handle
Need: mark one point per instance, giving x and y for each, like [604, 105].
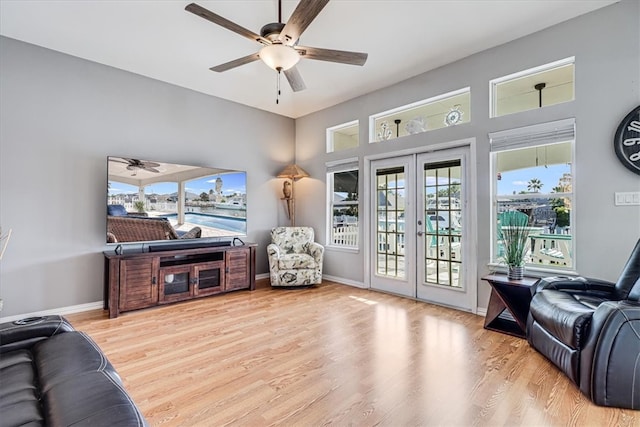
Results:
[420, 233]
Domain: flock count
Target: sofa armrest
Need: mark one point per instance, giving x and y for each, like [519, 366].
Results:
[609, 360]
[24, 333]
[575, 284]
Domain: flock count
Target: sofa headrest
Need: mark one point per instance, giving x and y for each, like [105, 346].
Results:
[628, 284]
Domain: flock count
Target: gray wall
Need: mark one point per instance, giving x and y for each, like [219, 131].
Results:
[606, 45]
[61, 117]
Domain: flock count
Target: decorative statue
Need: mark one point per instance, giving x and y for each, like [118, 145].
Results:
[286, 189]
[385, 132]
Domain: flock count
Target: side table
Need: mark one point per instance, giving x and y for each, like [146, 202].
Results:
[509, 304]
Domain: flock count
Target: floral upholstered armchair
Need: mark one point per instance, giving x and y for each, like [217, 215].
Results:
[294, 258]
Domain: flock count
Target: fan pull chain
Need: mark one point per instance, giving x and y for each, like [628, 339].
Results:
[278, 86]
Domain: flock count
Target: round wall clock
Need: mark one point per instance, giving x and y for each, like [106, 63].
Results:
[627, 141]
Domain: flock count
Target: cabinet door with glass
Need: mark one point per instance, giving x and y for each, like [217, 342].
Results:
[176, 283]
[209, 278]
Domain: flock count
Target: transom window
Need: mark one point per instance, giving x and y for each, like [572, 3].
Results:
[437, 112]
[533, 175]
[537, 87]
[344, 136]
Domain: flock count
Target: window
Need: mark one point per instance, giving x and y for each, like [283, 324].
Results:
[344, 136]
[440, 111]
[538, 87]
[343, 218]
[390, 216]
[532, 171]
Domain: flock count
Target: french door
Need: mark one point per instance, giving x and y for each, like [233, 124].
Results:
[419, 227]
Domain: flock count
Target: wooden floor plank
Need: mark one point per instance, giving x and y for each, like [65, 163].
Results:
[333, 355]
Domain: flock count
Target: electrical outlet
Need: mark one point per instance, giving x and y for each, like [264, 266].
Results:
[627, 198]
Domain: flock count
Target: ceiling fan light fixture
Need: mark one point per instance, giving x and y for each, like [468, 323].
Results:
[279, 56]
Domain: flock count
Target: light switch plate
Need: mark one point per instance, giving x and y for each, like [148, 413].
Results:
[627, 198]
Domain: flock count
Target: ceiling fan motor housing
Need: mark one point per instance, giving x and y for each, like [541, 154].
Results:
[272, 31]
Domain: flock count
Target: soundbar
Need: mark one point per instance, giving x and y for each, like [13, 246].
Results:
[191, 244]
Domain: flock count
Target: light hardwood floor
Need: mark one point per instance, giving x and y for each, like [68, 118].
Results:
[333, 355]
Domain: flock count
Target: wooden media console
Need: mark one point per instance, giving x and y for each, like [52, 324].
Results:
[139, 279]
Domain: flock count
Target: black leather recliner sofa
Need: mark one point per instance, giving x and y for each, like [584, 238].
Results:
[590, 329]
[53, 375]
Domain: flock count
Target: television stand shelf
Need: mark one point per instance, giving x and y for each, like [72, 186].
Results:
[136, 280]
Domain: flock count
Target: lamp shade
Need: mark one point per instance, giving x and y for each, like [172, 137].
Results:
[279, 56]
[293, 172]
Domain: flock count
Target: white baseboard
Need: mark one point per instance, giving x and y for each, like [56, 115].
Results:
[99, 304]
[344, 281]
[262, 276]
[61, 311]
[480, 311]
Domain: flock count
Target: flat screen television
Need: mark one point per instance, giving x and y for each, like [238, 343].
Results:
[153, 201]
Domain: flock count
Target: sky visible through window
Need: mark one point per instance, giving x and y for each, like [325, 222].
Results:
[516, 181]
[231, 183]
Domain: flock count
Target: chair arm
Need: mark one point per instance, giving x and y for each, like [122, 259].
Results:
[194, 233]
[316, 250]
[610, 358]
[25, 333]
[574, 284]
[273, 250]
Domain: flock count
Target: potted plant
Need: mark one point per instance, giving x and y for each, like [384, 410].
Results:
[514, 227]
[139, 206]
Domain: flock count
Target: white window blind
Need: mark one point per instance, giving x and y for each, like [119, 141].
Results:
[544, 133]
[342, 165]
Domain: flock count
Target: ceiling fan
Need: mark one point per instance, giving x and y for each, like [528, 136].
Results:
[280, 50]
[135, 164]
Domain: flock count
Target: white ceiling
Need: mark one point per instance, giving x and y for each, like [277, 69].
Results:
[159, 39]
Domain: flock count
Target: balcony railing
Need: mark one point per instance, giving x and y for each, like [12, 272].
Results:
[345, 235]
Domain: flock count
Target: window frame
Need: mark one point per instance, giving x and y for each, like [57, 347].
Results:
[332, 168]
[416, 105]
[538, 135]
[493, 84]
[333, 129]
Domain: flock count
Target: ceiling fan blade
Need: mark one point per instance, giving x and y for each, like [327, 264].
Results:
[295, 79]
[236, 63]
[224, 22]
[331, 55]
[305, 12]
[115, 160]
